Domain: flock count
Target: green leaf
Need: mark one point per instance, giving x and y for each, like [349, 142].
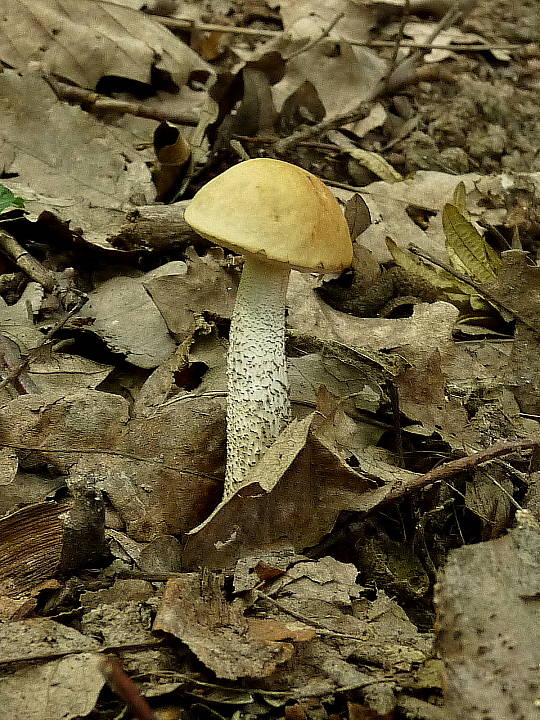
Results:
[468, 251]
[437, 277]
[460, 198]
[7, 199]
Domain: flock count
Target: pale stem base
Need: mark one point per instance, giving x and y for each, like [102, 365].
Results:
[258, 405]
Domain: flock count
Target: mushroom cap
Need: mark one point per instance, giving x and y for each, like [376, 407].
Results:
[275, 210]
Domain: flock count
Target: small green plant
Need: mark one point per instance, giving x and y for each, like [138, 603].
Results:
[470, 256]
[8, 199]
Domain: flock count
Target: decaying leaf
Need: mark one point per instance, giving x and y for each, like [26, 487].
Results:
[65, 688]
[357, 215]
[97, 173]
[292, 498]
[488, 615]
[517, 287]
[205, 287]
[37, 637]
[390, 207]
[489, 497]
[349, 633]
[121, 306]
[194, 609]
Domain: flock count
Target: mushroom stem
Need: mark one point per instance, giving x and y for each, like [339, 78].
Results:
[258, 405]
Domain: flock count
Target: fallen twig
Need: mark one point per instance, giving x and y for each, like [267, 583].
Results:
[480, 289]
[95, 101]
[187, 24]
[399, 39]
[27, 263]
[125, 688]
[318, 39]
[464, 464]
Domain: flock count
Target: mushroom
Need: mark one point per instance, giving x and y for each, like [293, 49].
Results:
[279, 217]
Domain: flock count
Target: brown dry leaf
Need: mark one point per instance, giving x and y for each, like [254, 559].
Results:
[162, 475]
[348, 436]
[195, 610]
[38, 637]
[357, 70]
[66, 688]
[63, 373]
[352, 633]
[316, 15]
[86, 40]
[488, 618]
[61, 427]
[83, 171]
[340, 74]
[49, 371]
[298, 489]
[197, 365]
[358, 219]
[518, 287]
[204, 288]
[489, 497]
[125, 317]
[425, 342]
[421, 32]
[326, 580]
[177, 479]
[388, 204]
[123, 621]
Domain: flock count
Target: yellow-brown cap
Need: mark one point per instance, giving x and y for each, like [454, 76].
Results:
[277, 210]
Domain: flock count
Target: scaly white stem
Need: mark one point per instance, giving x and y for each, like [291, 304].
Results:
[258, 405]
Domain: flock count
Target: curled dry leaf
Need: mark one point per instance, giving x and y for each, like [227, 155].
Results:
[194, 609]
[84, 41]
[205, 287]
[133, 308]
[293, 498]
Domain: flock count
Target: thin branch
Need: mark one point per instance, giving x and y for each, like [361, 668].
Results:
[120, 682]
[110, 453]
[303, 692]
[402, 74]
[187, 24]
[27, 263]
[399, 40]
[56, 654]
[312, 622]
[103, 103]
[15, 372]
[464, 464]
[318, 39]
